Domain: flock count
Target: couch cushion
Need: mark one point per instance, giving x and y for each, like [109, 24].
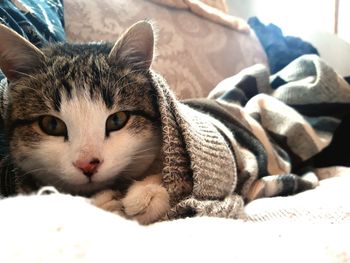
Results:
[194, 54]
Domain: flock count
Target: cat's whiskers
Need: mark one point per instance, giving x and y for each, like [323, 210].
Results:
[125, 75]
[6, 164]
[34, 171]
[139, 153]
[128, 73]
[35, 91]
[132, 167]
[146, 149]
[129, 84]
[58, 182]
[24, 74]
[20, 177]
[127, 172]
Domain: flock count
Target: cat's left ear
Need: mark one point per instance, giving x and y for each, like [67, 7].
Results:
[17, 55]
[135, 47]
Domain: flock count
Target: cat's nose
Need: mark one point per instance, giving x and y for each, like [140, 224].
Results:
[89, 168]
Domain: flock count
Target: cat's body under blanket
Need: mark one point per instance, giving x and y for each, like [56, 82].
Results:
[207, 157]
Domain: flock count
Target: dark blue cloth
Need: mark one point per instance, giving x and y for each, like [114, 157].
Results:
[279, 49]
[347, 79]
[39, 21]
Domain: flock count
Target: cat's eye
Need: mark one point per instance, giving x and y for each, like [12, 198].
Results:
[52, 126]
[116, 121]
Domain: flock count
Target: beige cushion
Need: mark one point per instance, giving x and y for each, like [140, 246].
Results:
[194, 54]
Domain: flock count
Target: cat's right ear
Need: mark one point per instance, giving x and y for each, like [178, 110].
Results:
[135, 47]
[17, 55]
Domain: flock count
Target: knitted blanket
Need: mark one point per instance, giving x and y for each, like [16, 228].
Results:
[254, 136]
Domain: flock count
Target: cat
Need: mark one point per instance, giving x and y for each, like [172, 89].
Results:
[84, 119]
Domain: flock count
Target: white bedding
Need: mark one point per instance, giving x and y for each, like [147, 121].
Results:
[62, 228]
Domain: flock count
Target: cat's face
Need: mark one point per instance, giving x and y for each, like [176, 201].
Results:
[80, 116]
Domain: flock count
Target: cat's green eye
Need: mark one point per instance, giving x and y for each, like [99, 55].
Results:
[116, 121]
[52, 126]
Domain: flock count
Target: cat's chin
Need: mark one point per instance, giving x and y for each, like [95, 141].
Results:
[76, 185]
[89, 188]
[85, 189]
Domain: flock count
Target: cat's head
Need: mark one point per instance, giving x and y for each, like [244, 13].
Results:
[81, 115]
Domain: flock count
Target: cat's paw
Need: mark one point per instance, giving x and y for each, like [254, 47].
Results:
[146, 203]
[108, 200]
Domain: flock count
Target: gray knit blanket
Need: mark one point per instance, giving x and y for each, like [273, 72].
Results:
[254, 136]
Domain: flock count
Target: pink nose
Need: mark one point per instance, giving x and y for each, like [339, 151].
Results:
[88, 167]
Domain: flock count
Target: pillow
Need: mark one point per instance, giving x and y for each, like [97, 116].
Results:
[194, 54]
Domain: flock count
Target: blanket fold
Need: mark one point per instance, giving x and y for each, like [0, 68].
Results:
[248, 140]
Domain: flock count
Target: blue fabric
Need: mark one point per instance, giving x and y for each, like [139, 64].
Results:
[347, 79]
[39, 21]
[280, 50]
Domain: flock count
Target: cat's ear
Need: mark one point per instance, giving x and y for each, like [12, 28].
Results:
[17, 55]
[135, 46]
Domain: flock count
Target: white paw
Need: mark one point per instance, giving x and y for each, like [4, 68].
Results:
[146, 203]
[108, 200]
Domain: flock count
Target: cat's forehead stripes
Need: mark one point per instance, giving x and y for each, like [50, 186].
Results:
[106, 83]
[57, 99]
[72, 68]
[68, 88]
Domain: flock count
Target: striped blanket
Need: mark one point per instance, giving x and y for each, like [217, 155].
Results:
[255, 136]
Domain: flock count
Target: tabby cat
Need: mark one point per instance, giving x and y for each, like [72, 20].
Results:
[83, 118]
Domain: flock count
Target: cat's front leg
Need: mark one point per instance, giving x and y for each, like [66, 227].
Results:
[108, 200]
[147, 201]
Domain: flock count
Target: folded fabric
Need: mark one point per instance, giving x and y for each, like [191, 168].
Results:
[247, 140]
[218, 4]
[211, 10]
[326, 204]
[280, 49]
[347, 79]
[38, 21]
